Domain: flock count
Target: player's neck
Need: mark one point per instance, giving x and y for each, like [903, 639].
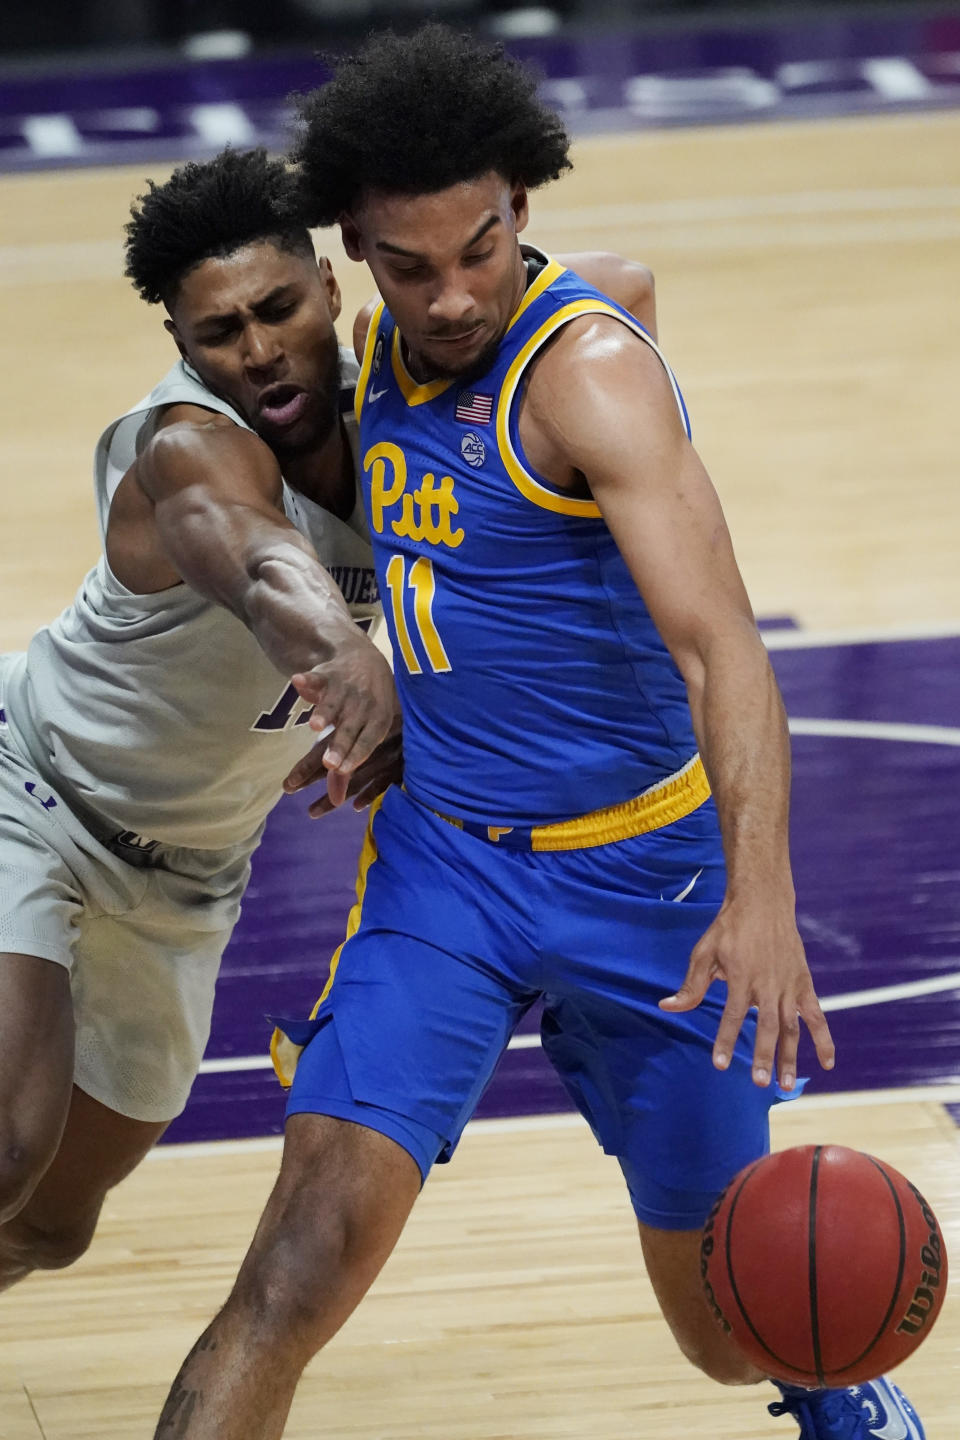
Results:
[325, 475]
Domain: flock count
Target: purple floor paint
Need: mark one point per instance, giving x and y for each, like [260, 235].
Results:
[877, 866]
[793, 66]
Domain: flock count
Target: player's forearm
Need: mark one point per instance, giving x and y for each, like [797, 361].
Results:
[295, 610]
[741, 727]
[257, 565]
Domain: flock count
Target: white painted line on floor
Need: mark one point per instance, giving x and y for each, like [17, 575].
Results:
[853, 1000]
[570, 1120]
[877, 730]
[228, 1064]
[883, 994]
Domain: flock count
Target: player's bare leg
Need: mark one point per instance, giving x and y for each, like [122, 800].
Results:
[56, 1224]
[36, 1075]
[673, 1263]
[339, 1205]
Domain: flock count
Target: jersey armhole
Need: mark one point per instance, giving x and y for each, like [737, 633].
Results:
[530, 484]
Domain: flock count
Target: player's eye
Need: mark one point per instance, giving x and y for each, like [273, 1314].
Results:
[478, 257]
[216, 337]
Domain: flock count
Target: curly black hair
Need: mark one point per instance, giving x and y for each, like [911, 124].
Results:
[415, 114]
[211, 208]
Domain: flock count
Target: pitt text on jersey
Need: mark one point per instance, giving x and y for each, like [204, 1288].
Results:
[425, 513]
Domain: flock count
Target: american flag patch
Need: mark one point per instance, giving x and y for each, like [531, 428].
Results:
[474, 409]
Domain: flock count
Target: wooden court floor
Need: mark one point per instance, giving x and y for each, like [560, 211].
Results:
[807, 283]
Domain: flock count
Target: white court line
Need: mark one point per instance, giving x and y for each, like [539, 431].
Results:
[877, 730]
[880, 995]
[570, 1120]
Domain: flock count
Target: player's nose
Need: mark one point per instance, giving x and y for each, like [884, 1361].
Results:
[261, 349]
[451, 305]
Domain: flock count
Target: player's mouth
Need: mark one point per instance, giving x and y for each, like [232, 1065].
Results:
[282, 405]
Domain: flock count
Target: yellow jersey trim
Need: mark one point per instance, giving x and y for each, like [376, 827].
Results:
[528, 485]
[550, 272]
[283, 1052]
[661, 805]
[413, 393]
[416, 394]
[669, 800]
[366, 365]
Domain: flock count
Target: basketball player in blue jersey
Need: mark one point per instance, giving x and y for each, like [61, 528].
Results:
[596, 771]
[147, 732]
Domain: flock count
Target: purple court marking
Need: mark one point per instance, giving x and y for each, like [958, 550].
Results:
[878, 879]
[788, 67]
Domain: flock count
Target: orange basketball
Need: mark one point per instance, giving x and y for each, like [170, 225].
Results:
[826, 1266]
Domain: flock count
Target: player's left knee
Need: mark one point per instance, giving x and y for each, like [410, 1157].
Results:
[49, 1247]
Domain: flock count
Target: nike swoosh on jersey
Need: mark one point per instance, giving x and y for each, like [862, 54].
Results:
[375, 394]
[686, 889]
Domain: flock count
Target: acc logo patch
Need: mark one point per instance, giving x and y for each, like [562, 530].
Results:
[473, 449]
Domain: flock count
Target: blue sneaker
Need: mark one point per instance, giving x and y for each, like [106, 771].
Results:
[878, 1411]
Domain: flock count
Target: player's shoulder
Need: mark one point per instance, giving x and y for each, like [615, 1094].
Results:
[597, 348]
[184, 415]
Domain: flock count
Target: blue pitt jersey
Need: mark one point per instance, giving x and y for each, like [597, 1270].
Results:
[535, 686]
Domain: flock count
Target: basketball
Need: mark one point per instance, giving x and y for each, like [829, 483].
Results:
[825, 1266]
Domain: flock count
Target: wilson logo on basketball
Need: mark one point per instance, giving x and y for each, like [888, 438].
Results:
[931, 1258]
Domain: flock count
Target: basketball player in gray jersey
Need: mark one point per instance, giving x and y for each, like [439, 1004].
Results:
[147, 732]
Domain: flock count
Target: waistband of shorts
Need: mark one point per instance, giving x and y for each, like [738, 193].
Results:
[669, 800]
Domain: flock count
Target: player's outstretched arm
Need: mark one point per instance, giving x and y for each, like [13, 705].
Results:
[626, 281]
[600, 406]
[212, 497]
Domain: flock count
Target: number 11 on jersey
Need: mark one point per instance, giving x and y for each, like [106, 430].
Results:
[421, 582]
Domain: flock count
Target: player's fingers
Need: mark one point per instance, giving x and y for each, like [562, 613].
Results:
[816, 1022]
[787, 1046]
[731, 1023]
[355, 740]
[309, 685]
[700, 972]
[337, 786]
[765, 1042]
[320, 807]
[306, 771]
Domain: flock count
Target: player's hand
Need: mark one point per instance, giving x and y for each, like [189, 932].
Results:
[383, 768]
[354, 704]
[759, 953]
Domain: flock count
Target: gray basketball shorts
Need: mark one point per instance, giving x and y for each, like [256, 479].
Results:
[140, 927]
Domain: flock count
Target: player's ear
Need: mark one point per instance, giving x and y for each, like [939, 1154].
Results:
[350, 234]
[328, 280]
[171, 329]
[520, 206]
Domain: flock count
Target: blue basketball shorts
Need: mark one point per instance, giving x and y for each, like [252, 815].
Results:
[453, 939]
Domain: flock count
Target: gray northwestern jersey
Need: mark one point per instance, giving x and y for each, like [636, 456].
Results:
[160, 713]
